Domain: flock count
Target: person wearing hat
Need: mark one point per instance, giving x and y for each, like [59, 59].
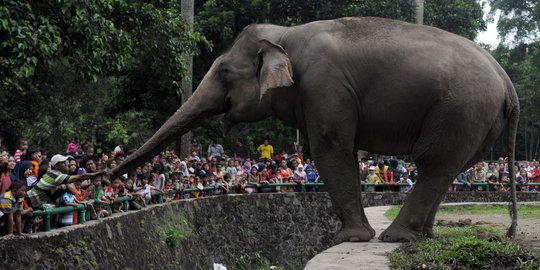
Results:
[44, 191]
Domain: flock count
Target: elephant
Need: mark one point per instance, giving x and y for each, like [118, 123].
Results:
[349, 84]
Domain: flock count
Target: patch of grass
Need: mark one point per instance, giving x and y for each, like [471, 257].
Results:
[173, 236]
[472, 247]
[175, 229]
[523, 210]
[392, 213]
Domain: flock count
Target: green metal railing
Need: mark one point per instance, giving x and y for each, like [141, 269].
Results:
[47, 214]
[487, 186]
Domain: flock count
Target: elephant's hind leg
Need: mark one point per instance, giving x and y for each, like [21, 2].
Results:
[439, 157]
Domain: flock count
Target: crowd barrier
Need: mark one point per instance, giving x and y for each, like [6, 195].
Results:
[49, 214]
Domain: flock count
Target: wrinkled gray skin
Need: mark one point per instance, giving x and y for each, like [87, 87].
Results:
[378, 85]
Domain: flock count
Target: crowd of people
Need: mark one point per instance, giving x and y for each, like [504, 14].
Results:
[483, 176]
[35, 180]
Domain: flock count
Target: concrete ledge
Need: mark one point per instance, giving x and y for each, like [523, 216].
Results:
[286, 229]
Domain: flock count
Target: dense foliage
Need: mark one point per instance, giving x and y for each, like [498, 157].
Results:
[107, 69]
[519, 54]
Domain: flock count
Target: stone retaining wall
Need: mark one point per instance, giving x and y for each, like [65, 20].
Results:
[237, 231]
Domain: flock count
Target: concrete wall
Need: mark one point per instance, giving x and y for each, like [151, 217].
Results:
[237, 231]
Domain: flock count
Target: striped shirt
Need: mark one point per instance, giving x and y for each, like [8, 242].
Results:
[47, 185]
[8, 204]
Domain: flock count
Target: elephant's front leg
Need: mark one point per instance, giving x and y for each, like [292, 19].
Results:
[338, 168]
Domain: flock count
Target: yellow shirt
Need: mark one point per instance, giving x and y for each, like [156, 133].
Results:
[266, 151]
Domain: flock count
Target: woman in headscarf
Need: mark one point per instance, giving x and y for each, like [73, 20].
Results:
[24, 171]
[183, 168]
[299, 175]
[34, 156]
[247, 166]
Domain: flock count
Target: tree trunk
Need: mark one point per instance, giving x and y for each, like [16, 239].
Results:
[525, 143]
[419, 19]
[215, 133]
[531, 146]
[536, 149]
[187, 87]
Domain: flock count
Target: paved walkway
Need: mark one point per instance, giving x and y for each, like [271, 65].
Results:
[360, 255]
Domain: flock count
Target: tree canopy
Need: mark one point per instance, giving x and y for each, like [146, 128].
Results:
[89, 69]
[519, 54]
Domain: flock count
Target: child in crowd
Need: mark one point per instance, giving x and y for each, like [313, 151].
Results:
[263, 176]
[406, 180]
[81, 197]
[494, 183]
[211, 182]
[373, 178]
[22, 146]
[185, 185]
[68, 199]
[312, 177]
[288, 188]
[221, 187]
[113, 191]
[154, 190]
[97, 194]
[503, 182]
[241, 181]
[145, 190]
[231, 171]
[167, 188]
[252, 181]
[521, 180]
[135, 197]
[196, 183]
[11, 209]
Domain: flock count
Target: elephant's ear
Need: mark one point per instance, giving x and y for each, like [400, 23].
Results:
[275, 68]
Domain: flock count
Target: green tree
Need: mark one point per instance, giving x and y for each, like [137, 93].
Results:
[518, 20]
[463, 17]
[519, 53]
[74, 68]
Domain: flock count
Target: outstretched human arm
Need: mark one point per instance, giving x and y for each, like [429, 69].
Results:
[75, 178]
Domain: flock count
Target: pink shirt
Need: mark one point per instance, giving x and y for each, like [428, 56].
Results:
[73, 147]
[18, 155]
[6, 182]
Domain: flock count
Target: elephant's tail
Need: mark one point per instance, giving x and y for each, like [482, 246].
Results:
[512, 109]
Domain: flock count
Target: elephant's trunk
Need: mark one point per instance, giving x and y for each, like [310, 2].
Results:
[208, 99]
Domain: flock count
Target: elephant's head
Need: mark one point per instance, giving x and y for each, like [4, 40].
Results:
[236, 85]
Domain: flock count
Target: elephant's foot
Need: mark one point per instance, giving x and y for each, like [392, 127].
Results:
[360, 233]
[398, 233]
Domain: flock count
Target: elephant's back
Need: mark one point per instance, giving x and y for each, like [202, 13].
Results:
[402, 73]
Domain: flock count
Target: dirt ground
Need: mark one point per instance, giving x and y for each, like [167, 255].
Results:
[528, 232]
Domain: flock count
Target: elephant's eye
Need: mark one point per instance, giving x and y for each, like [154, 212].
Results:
[224, 71]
